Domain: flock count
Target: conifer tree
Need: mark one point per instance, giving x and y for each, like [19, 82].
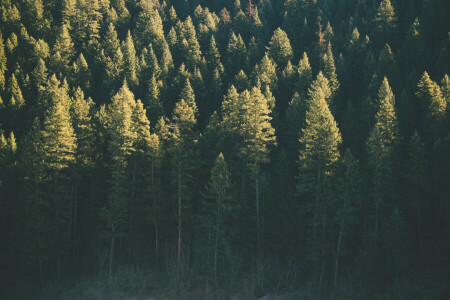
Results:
[155, 108]
[110, 42]
[320, 139]
[416, 175]
[321, 83]
[2, 63]
[218, 212]
[258, 136]
[241, 81]
[349, 186]
[380, 146]
[187, 94]
[280, 49]
[64, 47]
[329, 70]
[16, 98]
[213, 57]
[385, 20]
[81, 112]
[120, 147]
[130, 63]
[430, 93]
[265, 73]
[59, 148]
[305, 75]
[193, 52]
[236, 54]
[183, 152]
[80, 73]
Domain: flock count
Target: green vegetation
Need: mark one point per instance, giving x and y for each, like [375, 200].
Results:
[219, 149]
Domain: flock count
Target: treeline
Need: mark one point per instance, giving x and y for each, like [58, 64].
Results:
[248, 145]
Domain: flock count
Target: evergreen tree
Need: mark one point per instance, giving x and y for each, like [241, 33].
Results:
[265, 73]
[187, 94]
[241, 81]
[63, 50]
[380, 146]
[320, 139]
[110, 42]
[81, 112]
[305, 75]
[155, 109]
[80, 74]
[59, 148]
[16, 98]
[329, 70]
[258, 136]
[183, 153]
[120, 147]
[213, 57]
[237, 54]
[385, 21]
[130, 63]
[280, 49]
[430, 93]
[217, 213]
[2, 62]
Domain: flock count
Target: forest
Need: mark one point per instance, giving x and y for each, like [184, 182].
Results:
[224, 149]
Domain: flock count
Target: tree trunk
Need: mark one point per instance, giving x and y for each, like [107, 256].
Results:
[179, 214]
[131, 210]
[155, 219]
[111, 256]
[258, 229]
[341, 233]
[216, 244]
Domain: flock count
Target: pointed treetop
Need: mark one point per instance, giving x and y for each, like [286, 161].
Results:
[188, 95]
[280, 48]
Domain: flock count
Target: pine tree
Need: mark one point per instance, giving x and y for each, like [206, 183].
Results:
[416, 175]
[258, 136]
[155, 109]
[386, 63]
[59, 148]
[187, 94]
[120, 147]
[430, 93]
[193, 52]
[241, 82]
[321, 84]
[305, 75]
[80, 73]
[2, 63]
[349, 186]
[280, 49]
[329, 70]
[218, 212]
[320, 139]
[16, 98]
[236, 54]
[265, 73]
[130, 63]
[63, 50]
[150, 28]
[385, 21]
[183, 153]
[110, 42]
[380, 145]
[213, 57]
[81, 112]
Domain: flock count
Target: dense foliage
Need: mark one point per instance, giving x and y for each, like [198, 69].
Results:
[251, 147]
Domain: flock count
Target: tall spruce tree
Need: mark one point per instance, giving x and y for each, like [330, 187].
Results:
[320, 140]
[380, 146]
